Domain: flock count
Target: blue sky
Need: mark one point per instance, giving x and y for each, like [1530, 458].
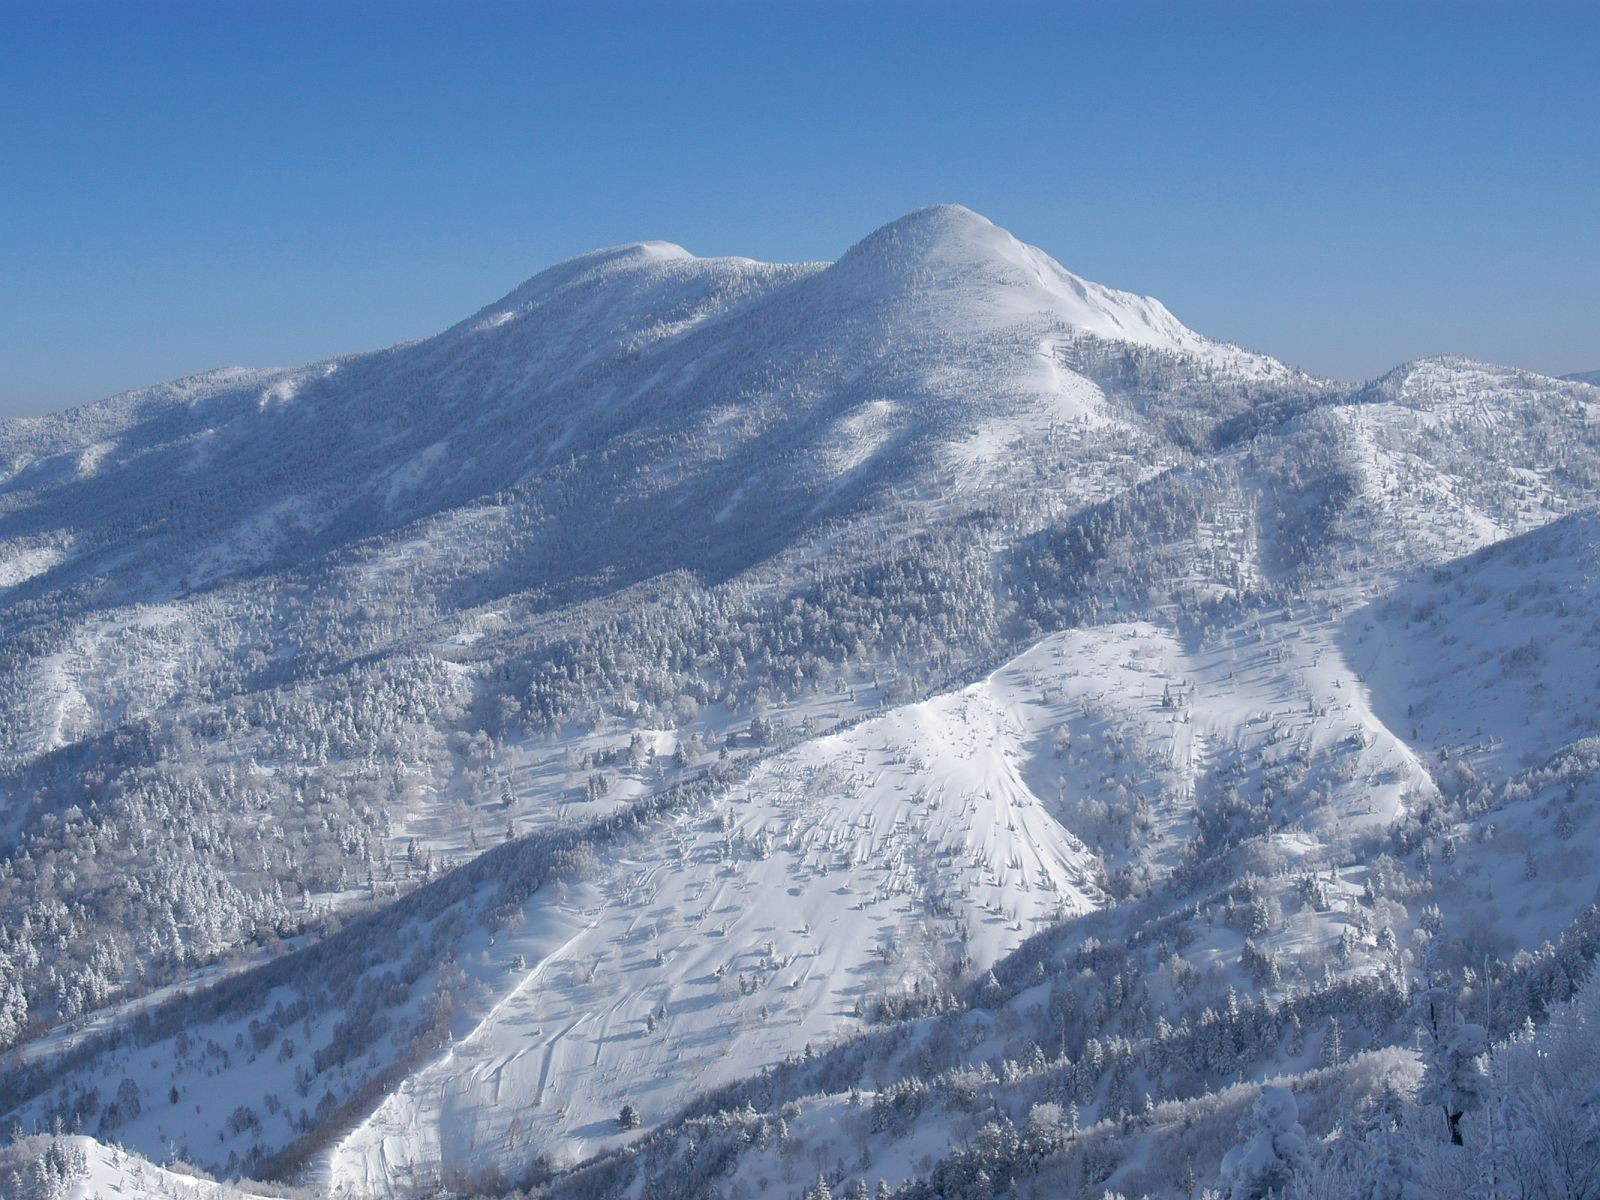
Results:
[188, 185]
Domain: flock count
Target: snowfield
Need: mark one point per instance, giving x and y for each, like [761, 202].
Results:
[888, 858]
[866, 863]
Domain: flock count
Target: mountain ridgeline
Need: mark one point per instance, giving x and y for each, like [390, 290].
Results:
[923, 725]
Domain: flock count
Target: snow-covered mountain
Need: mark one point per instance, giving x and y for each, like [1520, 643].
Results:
[699, 725]
[673, 387]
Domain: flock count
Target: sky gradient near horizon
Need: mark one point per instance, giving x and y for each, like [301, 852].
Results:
[1346, 186]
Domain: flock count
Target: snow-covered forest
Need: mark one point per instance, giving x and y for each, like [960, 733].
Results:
[925, 725]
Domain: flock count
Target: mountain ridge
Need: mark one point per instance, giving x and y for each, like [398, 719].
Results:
[877, 691]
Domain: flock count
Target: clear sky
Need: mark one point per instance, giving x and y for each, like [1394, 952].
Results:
[189, 185]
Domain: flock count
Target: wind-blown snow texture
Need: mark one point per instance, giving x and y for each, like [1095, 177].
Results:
[701, 727]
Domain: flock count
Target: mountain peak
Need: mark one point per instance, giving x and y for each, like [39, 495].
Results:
[960, 256]
[626, 257]
[940, 222]
[620, 270]
[940, 235]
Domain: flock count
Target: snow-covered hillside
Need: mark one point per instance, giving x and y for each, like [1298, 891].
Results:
[1497, 658]
[698, 727]
[80, 1168]
[860, 866]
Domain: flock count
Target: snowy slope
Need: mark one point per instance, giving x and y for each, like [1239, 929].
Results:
[1497, 658]
[115, 1174]
[1444, 456]
[624, 414]
[861, 865]
[910, 851]
[949, 257]
[96, 1171]
[856, 867]
[698, 679]
[719, 369]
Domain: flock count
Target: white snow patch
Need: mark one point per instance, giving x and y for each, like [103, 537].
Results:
[18, 566]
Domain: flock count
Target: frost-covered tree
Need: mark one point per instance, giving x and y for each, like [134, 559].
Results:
[1274, 1148]
[1453, 1079]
